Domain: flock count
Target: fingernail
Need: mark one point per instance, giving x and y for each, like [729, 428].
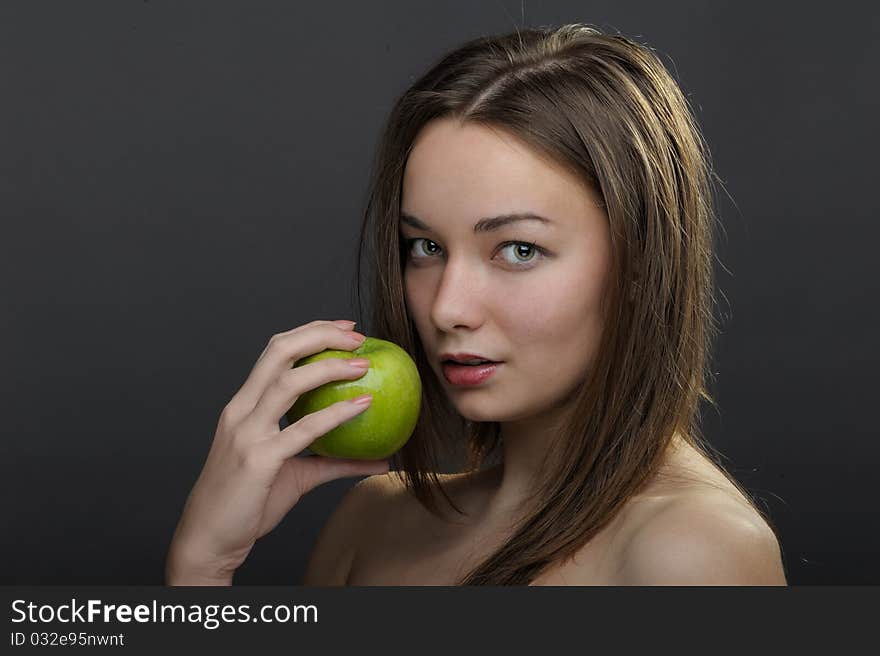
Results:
[345, 323]
[357, 336]
[360, 363]
[363, 399]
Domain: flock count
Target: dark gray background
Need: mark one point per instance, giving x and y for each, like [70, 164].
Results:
[181, 180]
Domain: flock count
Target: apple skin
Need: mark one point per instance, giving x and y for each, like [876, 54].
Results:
[386, 425]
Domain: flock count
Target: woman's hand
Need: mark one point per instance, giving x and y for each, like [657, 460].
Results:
[251, 478]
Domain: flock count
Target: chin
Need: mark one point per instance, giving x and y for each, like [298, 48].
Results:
[475, 410]
[480, 417]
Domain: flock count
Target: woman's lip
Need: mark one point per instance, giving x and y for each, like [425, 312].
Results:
[468, 375]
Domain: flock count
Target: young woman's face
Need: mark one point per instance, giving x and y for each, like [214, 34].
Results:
[534, 309]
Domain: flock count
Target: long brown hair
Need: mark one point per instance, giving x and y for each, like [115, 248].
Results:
[607, 109]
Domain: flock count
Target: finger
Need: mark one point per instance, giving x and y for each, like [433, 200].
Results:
[343, 324]
[283, 350]
[283, 392]
[296, 437]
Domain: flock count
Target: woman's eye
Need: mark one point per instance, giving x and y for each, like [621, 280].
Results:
[430, 250]
[522, 253]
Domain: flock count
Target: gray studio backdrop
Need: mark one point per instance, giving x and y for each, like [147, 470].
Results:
[181, 180]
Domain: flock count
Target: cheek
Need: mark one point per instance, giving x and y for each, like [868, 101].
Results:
[555, 327]
[417, 296]
[412, 297]
[551, 321]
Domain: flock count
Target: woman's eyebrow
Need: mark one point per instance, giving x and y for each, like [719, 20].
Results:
[483, 225]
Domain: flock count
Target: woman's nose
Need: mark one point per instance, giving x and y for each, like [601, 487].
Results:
[458, 302]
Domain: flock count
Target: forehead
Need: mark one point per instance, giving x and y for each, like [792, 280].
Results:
[472, 170]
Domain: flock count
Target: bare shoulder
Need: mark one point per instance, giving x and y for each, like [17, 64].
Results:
[346, 528]
[704, 538]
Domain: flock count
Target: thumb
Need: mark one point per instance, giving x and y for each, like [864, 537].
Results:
[317, 470]
[297, 478]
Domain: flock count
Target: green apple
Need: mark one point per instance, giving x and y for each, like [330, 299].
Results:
[385, 426]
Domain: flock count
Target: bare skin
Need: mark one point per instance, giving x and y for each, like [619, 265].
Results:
[486, 292]
[417, 548]
[253, 474]
[489, 292]
[538, 311]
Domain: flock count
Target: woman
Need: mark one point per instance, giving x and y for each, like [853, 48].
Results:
[541, 200]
